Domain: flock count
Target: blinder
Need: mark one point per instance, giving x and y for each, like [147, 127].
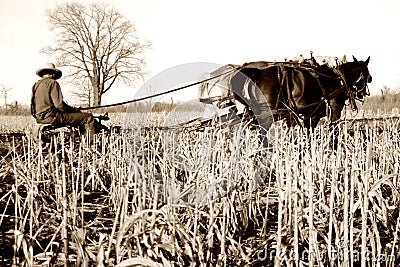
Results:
[361, 86]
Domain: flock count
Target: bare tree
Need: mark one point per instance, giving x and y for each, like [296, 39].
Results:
[4, 91]
[98, 44]
[83, 92]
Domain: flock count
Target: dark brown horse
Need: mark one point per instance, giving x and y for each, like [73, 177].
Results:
[300, 92]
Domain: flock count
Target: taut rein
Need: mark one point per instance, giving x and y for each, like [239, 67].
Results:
[162, 93]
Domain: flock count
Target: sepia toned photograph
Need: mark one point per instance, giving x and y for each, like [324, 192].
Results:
[199, 133]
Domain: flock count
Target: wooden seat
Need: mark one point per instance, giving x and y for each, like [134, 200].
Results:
[43, 129]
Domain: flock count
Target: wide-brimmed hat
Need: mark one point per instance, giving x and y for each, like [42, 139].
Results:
[49, 68]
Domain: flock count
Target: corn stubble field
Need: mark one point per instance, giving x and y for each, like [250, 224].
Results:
[210, 197]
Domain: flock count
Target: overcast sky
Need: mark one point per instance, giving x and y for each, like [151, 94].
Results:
[219, 32]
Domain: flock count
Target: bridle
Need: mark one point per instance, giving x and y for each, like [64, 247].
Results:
[364, 90]
[354, 90]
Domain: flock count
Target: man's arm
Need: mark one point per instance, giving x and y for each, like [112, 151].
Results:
[57, 98]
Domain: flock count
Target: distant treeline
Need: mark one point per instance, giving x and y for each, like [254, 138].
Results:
[15, 110]
[146, 107]
[24, 110]
[383, 102]
[387, 101]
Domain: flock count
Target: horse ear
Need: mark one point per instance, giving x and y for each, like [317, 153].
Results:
[367, 61]
[354, 59]
[344, 59]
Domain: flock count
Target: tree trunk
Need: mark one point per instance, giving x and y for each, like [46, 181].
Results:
[96, 97]
[97, 92]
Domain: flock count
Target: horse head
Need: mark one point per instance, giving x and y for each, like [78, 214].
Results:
[357, 77]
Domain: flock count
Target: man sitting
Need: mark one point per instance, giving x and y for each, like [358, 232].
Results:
[48, 107]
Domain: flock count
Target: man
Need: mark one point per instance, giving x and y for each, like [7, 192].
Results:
[48, 107]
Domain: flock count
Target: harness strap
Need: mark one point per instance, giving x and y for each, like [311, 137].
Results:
[316, 76]
[282, 76]
[347, 88]
[326, 95]
[292, 103]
